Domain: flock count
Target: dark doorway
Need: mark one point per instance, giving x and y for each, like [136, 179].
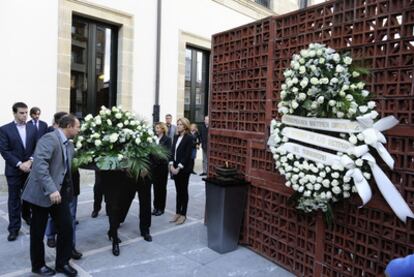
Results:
[93, 66]
[196, 84]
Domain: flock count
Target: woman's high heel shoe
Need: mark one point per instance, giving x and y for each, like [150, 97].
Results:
[174, 218]
[115, 249]
[110, 237]
[180, 220]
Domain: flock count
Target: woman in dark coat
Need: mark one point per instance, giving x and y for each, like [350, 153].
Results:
[159, 170]
[180, 167]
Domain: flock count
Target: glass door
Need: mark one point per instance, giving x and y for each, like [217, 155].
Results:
[196, 84]
[93, 66]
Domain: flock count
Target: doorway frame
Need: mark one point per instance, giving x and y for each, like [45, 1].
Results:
[69, 8]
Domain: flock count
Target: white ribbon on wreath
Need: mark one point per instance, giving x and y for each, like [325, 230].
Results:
[373, 137]
[364, 124]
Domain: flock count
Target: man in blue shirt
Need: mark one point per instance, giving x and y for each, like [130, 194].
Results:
[41, 126]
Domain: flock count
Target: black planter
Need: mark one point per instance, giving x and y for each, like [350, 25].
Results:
[226, 172]
[225, 202]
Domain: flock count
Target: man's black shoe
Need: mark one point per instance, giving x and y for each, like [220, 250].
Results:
[12, 235]
[51, 243]
[76, 222]
[154, 211]
[44, 271]
[76, 255]
[147, 237]
[115, 249]
[158, 213]
[94, 214]
[67, 270]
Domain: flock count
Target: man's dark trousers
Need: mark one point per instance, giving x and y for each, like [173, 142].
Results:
[62, 218]
[15, 205]
[143, 187]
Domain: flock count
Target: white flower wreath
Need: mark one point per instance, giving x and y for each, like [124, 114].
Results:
[116, 140]
[322, 90]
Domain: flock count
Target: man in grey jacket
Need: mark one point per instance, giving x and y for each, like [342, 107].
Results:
[49, 190]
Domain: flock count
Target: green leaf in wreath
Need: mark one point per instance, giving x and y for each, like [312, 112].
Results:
[307, 105]
[81, 159]
[107, 162]
[360, 69]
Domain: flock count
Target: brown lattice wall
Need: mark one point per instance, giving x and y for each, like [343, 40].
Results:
[247, 72]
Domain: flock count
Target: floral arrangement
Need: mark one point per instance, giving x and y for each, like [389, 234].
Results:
[322, 83]
[115, 140]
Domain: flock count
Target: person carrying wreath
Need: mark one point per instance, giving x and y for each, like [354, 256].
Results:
[119, 189]
[119, 145]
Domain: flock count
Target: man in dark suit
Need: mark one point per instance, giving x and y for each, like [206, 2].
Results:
[17, 143]
[172, 129]
[142, 186]
[97, 195]
[41, 126]
[49, 189]
[204, 144]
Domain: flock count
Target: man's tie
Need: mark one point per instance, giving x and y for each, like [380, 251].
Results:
[68, 175]
[66, 155]
[36, 124]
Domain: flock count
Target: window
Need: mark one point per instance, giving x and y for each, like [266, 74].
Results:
[265, 3]
[303, 4]
[196, 84]
[93, 66]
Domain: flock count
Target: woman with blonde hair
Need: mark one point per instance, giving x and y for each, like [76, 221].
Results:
[180, 167]
[159, 170]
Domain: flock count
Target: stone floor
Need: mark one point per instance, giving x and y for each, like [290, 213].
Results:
[174, 251]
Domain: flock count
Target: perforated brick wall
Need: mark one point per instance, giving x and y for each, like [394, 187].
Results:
[247, 72]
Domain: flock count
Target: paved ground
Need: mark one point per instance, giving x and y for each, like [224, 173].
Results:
[175, 250]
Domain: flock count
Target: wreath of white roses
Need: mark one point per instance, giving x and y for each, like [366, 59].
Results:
[116, 140]
[321, 83]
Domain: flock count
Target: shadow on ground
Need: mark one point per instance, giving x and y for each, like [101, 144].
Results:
[175, 250]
